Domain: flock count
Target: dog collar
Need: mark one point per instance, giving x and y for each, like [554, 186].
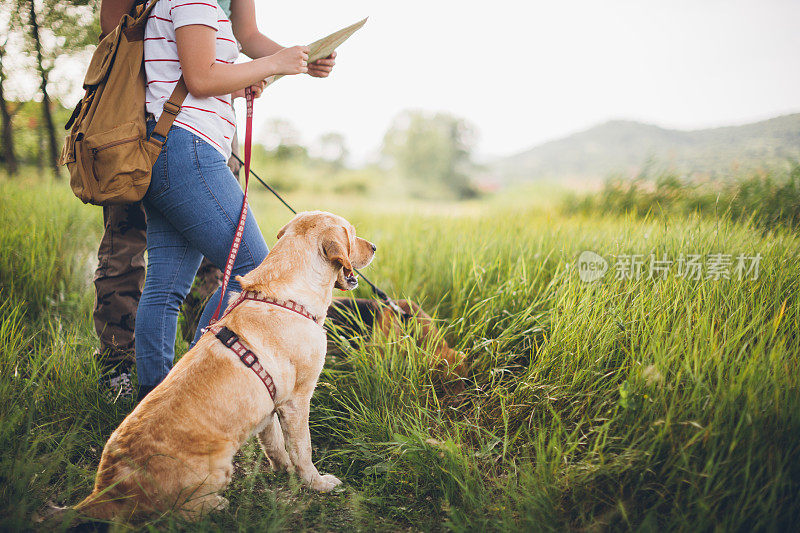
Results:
[291, 305]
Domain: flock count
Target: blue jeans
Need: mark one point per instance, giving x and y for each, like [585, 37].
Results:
[192, 205]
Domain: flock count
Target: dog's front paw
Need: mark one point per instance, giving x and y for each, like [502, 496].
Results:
[326, 483]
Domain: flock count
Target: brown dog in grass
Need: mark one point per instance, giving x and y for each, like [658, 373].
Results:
[175, 450]
[376, 321]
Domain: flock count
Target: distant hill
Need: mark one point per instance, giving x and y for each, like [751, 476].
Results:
[625, 147]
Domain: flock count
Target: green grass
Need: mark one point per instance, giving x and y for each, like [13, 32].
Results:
[620, 404]
[768, 198]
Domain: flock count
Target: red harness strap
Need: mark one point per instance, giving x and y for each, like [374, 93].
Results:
[291, 305]
[231, 340]
[237, 238]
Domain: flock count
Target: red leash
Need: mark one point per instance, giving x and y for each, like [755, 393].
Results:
[237, 238]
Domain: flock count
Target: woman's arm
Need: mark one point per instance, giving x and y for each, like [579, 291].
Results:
[206, 77]
[255, 44]
[111, 12]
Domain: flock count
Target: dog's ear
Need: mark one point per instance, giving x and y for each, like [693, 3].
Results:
[335, 247]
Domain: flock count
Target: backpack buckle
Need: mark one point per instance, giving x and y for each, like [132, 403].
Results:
[172, 108]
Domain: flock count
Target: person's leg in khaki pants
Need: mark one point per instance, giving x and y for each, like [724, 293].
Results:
[118, 283]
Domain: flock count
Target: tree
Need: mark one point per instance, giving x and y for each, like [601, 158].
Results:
[432, 148]
[47, 112]
[9, 155]
[54, 28]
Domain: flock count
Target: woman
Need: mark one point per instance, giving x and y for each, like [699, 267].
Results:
[194, 201]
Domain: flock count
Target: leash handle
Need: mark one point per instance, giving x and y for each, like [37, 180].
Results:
[237, 238]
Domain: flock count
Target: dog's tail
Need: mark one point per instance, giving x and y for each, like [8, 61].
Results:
[99, 506]
[93, 507]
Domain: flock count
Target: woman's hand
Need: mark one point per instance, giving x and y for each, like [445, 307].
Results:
[257, 89]
[322, 67]
[292, 60]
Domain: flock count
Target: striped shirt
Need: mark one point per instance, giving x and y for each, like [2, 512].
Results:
[212, 118]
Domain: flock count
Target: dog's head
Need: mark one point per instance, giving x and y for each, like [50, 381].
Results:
[336, 242]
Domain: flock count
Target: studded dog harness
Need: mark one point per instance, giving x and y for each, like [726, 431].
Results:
[247, 357]
[291, 305]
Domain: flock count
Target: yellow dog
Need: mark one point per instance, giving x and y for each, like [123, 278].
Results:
[175, 450]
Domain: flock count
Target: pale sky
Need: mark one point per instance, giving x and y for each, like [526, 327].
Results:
[525, 72]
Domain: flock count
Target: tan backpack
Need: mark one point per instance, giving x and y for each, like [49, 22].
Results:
[107, 151]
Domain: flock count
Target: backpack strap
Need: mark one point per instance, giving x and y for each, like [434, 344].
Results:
[172, 106]
[171, 109]
[134, 28]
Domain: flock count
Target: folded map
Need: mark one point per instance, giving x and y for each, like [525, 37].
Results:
[325, 46]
